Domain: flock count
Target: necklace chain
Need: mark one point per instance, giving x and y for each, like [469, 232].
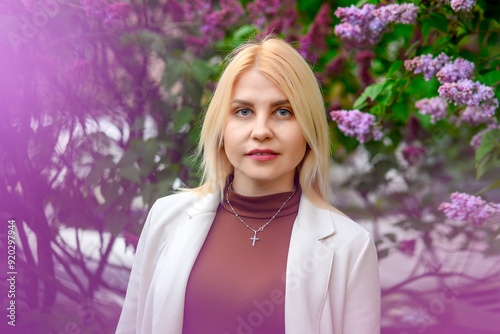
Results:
[260, 229]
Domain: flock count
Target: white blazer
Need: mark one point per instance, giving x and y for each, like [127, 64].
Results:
[332, 282]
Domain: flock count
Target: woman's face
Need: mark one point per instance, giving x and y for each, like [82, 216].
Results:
[262, 138]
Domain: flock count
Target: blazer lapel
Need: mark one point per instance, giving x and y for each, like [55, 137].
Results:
[180, 256]
[308, 268]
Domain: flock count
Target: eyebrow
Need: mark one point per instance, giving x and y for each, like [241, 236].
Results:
[246, 103]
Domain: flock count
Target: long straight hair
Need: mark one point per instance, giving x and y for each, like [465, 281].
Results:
[285, 67]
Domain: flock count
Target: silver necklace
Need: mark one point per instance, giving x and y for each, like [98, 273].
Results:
[260, 229]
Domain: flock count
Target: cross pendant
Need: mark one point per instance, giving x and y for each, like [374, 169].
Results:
[254, 238]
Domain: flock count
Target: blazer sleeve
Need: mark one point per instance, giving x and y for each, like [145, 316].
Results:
[130, 318]
[363, 300]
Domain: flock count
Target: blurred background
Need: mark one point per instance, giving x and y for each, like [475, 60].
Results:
[101, 103]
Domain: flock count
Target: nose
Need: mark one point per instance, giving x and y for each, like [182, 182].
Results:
[262, 128]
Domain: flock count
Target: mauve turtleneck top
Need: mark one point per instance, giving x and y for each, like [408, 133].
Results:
[235, 287]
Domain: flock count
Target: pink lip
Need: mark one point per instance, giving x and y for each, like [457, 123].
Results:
[262, 155]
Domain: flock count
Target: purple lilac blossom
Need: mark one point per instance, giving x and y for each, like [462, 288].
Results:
[315, 39]
[436, 107]
[213, 23]
[477, 115]
[454, 71]
[335, 66]
[195, 8]
[175, 10]
[462, 5]
[470, 93]
[282, 23]
[354, 123]
[364, 26]
[260, 11]
[405, 13]
[359, 27]
[274, 15]
[427, 64]
[469, 208]
[116, 13]
[195, 43]
[407, 246]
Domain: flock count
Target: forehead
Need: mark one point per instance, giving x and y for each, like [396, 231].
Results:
[256, 85]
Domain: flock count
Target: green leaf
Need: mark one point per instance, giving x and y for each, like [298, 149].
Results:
[390, 236]
[93, 176]
[242, 34]
[174, 70]
[496, 234]
[484, 26]
[426, 29]
[383, 253]
[116, 222]
[110, 190]
[181, 118]
[371, 92]
[491, 78]
[201, 71]
[438, 21]
[488, 188]
[488, 142]
[129, 157]
[484, 165]
[130, 173]
[361, 3]
[394, 67]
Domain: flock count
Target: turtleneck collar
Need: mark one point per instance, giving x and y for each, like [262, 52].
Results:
[262, 207]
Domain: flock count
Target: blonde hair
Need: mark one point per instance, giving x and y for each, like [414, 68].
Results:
[284, 66]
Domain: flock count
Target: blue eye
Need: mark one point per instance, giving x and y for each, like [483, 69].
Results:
[283, 112]
[243, 112]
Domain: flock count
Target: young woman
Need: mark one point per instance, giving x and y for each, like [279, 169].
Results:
[257, 248]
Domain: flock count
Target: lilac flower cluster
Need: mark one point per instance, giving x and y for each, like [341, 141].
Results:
[456, 87]
[354, 123]
[364, 26]
[314, 41]
[112, 15]
[454, 71]
[472, 94]
[213, 20]
[279, 16]
[405, 13]
[436, 107]
[477, 115]
[461, 5]
[116, 14]
[427, 64]
[469, 208]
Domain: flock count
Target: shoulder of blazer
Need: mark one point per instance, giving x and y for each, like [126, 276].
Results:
[187, 204]
[325, 224]
[348, 233]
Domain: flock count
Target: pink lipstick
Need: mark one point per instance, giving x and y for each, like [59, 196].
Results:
[262, 155]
